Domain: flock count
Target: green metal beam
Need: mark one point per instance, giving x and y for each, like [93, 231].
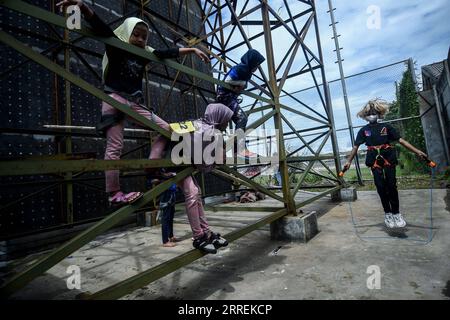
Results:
[52, 157]
[36, 269]
[68, 122]
[272, 83]
[13, 168]
[227, 176]
[250, 182]
[320, 195]
[236, 182]
[303, 177]
[309, 147]
[260, 121]
[310, 165]
[33, 167]
[144, 278]
[249, 128]
[313, 173]
[26, 51]
[254, 162]
[20, 168]
[241, 208]
[59, 21]
[304, 115]
[259, 109]
[308, 158]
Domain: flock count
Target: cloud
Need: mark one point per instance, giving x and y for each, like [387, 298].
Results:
[412, 28]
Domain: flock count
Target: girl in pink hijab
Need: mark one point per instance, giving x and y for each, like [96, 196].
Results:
[215, 120]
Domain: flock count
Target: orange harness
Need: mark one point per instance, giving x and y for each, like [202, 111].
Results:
[379, 157]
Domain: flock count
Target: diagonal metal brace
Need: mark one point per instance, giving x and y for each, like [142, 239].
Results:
[36, 269]
[59, 21]
[50, 65]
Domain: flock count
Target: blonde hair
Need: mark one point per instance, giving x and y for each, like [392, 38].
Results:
[381, 106]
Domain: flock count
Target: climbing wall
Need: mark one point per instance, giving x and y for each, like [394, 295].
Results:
[33, 97]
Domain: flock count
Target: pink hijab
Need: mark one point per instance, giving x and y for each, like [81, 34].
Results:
[216, 118]
[217, 114]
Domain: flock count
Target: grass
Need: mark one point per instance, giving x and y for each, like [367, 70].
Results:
[405, 180]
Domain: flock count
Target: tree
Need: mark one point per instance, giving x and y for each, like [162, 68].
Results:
[393, 114]
[407, 105]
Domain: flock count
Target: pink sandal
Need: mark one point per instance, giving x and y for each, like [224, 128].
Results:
[120, 198]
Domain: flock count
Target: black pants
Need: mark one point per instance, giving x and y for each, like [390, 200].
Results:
[240, 121]
[386, 184]
[239, 118]
[167, 207]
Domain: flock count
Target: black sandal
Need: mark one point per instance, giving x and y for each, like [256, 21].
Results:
[205, 244]
[218, 241]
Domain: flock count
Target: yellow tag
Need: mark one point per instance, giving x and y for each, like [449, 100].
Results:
[182, 127]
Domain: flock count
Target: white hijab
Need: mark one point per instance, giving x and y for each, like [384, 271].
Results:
[123, 32]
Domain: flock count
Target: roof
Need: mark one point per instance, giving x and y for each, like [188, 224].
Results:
[433, 70]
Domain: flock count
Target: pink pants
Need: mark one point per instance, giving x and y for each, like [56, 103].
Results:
[114, 145]
[194, 206]
[114, 139]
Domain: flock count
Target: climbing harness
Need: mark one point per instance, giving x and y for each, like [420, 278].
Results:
[380, 161]
[418, 241]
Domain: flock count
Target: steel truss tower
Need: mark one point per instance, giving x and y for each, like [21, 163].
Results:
[289, 38]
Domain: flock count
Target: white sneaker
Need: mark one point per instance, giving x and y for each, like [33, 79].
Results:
[399, 221]
[389, 220]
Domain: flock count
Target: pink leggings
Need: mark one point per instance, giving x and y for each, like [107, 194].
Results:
[194, 206]
[114, 139]
[114, 145]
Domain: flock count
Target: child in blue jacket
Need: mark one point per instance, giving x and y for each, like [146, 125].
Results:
[237, 77]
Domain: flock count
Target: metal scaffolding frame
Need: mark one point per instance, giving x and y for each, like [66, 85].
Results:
[267, 89]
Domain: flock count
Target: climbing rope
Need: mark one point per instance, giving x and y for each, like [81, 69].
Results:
[417, 241]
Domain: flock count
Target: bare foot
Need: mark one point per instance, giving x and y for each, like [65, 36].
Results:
[174, 239]
[169, 244]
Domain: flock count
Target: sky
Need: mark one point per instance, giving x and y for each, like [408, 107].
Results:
[405, 29]
[408, 28]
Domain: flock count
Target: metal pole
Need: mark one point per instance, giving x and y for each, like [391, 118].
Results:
[328, 107]
[288, 198]
[68, 122]
[225, 69]
[416, 87]
[344, 87]
[413, 73]
[333, 135]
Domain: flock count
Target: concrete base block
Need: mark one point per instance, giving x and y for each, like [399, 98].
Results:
[295, 228]
[346, 194]
[146, 219]
[349, 194]
[336, 196]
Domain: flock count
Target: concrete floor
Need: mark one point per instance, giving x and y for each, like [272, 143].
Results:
[333, 265]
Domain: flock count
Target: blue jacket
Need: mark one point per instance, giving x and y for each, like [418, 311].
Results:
[242, 72]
